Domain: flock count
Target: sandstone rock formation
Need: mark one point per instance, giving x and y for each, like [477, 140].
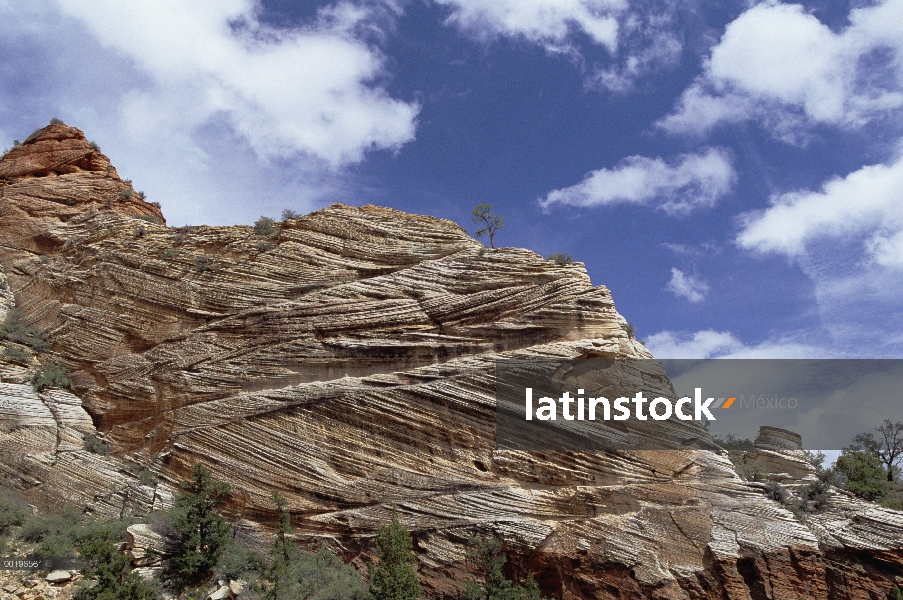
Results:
[347, 361]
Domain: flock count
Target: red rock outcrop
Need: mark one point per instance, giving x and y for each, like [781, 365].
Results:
[347, 361]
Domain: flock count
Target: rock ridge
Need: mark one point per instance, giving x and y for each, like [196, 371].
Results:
[347, 361]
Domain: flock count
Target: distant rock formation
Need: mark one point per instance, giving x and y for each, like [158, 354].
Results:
[347, 362]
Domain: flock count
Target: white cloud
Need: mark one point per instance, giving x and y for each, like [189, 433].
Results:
[677, 187]
[212, 113]
[847, 238]
[649, 42]
[306, 90]
[687, 286]
[723, 344]
[866, 204]
[702, 344]
[547, 22]
[778, 64]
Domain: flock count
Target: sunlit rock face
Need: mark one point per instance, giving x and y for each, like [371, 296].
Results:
[347, 360]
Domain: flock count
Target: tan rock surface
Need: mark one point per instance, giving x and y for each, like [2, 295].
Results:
[347, 361]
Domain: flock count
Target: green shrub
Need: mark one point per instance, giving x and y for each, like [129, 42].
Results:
[170, 253]
[322, 574]
[16, 354]
[147, 477]
[95, 445]
[776, 492]
[560, 258]
[896, 594]
[55, 121]
[16, 143]
[150, 219]
[263, 226]
[109, 577]
[289, 214]
[237, 562]
[157, 204]
[864, 475]
[54, 532]
[50, 375]
[125, 194]
[13, 511]
[263, 246]
[486, 556]
[203, 263]
[94, 146]
[16, 329]
[395, 576]
[201, 532]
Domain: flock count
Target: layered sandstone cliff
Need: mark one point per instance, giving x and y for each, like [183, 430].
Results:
[347, 361]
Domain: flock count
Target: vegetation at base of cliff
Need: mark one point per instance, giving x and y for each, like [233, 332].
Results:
[16, 329]
[206, 550]
[486, 557]
[69, 533]
[395, 575]
[49, 375]
[201, 532]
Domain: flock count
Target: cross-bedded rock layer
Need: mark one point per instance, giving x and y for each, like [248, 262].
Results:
[347, 361]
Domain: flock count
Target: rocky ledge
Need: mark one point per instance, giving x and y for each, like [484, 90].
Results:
[346, 360]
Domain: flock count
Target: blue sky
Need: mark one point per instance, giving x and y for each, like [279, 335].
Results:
[732, 171]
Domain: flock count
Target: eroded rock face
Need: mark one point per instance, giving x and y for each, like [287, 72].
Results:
[347, 362]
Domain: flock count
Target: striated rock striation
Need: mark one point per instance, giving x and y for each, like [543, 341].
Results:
[347, 362]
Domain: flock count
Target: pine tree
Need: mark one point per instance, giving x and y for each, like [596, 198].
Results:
[395, 576]
[202, 533]
[283, 555]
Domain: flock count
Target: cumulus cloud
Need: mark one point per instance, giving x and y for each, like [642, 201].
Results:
[687, 286]
[679, 186]
[203, 105]
[306, 90]
[778, 64]
[865, 205]
[550, 23]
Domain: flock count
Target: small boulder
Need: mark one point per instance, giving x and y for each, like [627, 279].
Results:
[236, 587]
[220, 594]
[58, 576]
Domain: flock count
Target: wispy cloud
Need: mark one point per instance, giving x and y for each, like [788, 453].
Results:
[687, 286]
[709, 343]
[678, 186]
[550, 23]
